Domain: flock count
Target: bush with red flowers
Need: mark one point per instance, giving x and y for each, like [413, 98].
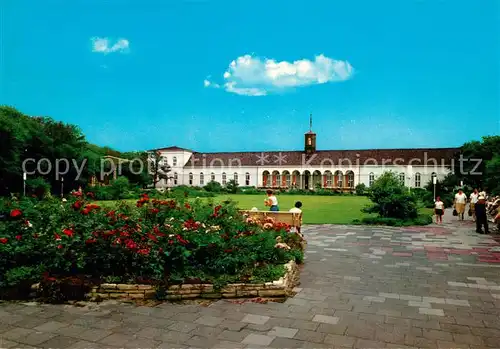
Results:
[156, 241]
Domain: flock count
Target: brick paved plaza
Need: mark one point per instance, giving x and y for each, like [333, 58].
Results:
[361, 287]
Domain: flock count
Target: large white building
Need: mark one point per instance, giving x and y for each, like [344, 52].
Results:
[338, 170]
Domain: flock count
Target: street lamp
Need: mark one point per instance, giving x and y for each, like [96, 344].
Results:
[434, 181]
[62, 186]
[24, 183]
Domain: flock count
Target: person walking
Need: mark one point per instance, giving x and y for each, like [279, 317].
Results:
[481, 217]
[472, 202]
[459, 203]
[439, 210]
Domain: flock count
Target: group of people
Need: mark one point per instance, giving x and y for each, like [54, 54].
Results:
[480, 208]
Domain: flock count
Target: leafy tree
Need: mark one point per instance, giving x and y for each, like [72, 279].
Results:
[160, 168]
[232, 186]
[391, 199]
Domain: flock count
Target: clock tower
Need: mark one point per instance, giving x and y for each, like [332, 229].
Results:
[310, 139]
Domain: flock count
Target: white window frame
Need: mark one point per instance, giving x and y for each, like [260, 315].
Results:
[202, 178]
[418, 180]
[247, 178]
[223, 181]
[371, 179]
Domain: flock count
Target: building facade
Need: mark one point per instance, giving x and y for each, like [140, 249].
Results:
[339, 170]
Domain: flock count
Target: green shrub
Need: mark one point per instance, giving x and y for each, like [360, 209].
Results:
[361, 189]
[232, 186]
[395, 222]
[38, 187]
[391, 199]
[213, 187]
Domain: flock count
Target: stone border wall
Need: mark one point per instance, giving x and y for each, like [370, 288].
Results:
[278, 288]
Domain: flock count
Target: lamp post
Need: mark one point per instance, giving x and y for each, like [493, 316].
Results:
[434, 181]
[62, 186]
[24, 183]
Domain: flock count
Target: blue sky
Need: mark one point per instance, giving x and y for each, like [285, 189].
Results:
[137, 75]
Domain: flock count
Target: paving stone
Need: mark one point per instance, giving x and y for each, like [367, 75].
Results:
[284, 332]
[419, 304]
[181, 326]
[258, 339]
[59, 342]
[234, 336]
[209, 320]
[326, 319]
[374, 299]
[428, 311]
[310, 336]
[174, 337]
[50, 326]
[255, 319]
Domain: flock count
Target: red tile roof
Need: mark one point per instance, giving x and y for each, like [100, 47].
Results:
[414, 157]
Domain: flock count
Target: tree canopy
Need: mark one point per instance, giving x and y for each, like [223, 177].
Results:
[26, 139]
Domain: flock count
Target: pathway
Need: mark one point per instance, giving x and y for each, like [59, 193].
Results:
[361, 287]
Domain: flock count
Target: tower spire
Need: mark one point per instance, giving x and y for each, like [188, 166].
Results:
[310, 122]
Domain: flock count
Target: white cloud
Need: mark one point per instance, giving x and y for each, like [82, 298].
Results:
[253, 76]
[103, 45]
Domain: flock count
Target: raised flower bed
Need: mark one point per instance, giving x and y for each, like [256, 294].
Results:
[167, 249]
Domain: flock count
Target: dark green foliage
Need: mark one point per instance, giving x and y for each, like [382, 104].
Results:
[232, 186]
[395, 222]
[24, 138]
[391, 199]
[213, 187]
[361, 189]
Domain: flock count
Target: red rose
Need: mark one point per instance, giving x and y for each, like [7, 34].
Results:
[59, 246]
[68, 232]
[3, 240]
[187, 205]
[18, 237]
[15, 213]
[57, 236]
[90, 241]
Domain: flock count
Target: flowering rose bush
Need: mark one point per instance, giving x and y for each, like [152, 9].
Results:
[154, 241]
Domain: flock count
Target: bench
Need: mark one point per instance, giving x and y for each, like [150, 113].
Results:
[291, 218]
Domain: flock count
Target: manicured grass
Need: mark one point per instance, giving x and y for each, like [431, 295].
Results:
[316, 209]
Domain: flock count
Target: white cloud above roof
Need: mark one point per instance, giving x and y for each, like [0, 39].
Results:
[105, 45]
[254, 76]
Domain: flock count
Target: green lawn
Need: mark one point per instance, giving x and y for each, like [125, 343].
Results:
[316, 209]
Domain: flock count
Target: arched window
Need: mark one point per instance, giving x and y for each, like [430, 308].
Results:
[202, 178]
[236, 177]
[174, 161]
[417, 180]
[350, 179]
[371, 179]
[176, 178]
[223, 178]
[212, 177]
[247, 178]
[339, 179]
[190, 179]
[402, 178]
[266, 179]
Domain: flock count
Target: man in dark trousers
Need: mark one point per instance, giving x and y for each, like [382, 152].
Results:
[481, 218]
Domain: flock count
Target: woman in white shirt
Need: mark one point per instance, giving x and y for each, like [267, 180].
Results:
[460, 201]
[272, 201]
[439, 210]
